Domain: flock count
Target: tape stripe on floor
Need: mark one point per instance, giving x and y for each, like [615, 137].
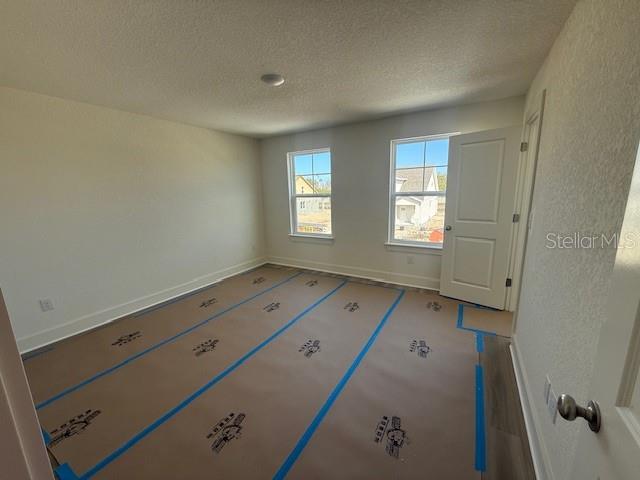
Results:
[306, 436]
[481, 462]
[460, 323]
[134, 357]
[481, 440]
[168, 415]
[480, 342]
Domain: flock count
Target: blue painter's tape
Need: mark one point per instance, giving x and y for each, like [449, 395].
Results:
[187, 295]
[306, 436]
[171, 413]
[45, 436]
[64, 472]
[154, 347]
[480, 342]
[481, 457]
[460, 322]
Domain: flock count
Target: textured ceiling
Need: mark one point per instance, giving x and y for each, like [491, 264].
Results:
[200, 61]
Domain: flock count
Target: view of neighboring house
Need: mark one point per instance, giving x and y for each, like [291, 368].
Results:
[314, 213]
[419, 217]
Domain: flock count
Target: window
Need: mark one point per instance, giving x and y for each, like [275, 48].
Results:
[418, 187]
[310, 192]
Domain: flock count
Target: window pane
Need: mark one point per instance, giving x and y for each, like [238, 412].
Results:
[441, 175]
[409, 180]
[437, 152]
[304, 184]
[322, 183]
[313, 215]
[322, 163]
[302, 164]
[410, 154]
[419, 219]
[435, 179]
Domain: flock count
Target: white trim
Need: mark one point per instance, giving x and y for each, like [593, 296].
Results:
[539, 454]
[293, 196]
[317, 236]
[108, 315]
[426, 248]
[366, 273]
[391, 220]
[437, 136]
[421, 194]
[311, 151]
[525, 184]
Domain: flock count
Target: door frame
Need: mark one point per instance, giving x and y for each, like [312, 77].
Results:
[23, 439]
[527, 168]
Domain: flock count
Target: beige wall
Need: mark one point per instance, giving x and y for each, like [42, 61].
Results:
[360, 183]
[105, 212]
[590, 134]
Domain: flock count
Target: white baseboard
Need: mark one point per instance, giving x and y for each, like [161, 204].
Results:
[539, 454]
[377, 275]
[102, 317]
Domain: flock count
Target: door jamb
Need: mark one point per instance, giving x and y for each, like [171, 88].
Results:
[524, 198]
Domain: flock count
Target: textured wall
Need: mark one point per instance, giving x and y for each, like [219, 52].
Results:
[105, 211]
[360, 209]
[590, 134]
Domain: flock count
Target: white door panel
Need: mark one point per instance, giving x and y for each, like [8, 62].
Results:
[479, 209]
[614, 452]
[474, 261]
[480, 178]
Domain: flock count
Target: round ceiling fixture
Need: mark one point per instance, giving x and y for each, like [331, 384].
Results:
[272, 79]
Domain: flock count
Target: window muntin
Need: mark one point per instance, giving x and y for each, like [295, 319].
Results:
[310, 192]
[418, 190]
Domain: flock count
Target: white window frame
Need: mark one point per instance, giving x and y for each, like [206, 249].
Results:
[293, 196]
[391, 240]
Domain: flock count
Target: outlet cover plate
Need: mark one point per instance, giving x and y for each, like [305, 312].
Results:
[46, 304]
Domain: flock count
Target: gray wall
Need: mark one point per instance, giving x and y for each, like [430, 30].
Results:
[590, 134]
[360, 162]
[105, 211]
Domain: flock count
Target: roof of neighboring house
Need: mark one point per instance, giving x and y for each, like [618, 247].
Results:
[404, 201]
[412, 178]
[305, 183]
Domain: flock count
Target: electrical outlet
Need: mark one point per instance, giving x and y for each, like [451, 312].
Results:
[547, 389]
[46, 304]
[410, 259]
[552, 406]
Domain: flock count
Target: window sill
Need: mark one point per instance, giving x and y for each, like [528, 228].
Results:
[425, 249]
[311, 238]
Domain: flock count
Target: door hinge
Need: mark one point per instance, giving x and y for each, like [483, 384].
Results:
[508, 282]
[516, 217]
[524, 146]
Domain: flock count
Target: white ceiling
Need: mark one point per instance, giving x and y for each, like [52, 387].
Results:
[199, 61]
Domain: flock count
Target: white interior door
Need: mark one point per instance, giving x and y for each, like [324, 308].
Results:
[479, 215]
[614, 452]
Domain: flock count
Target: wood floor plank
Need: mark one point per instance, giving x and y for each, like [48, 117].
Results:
[508, 450]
